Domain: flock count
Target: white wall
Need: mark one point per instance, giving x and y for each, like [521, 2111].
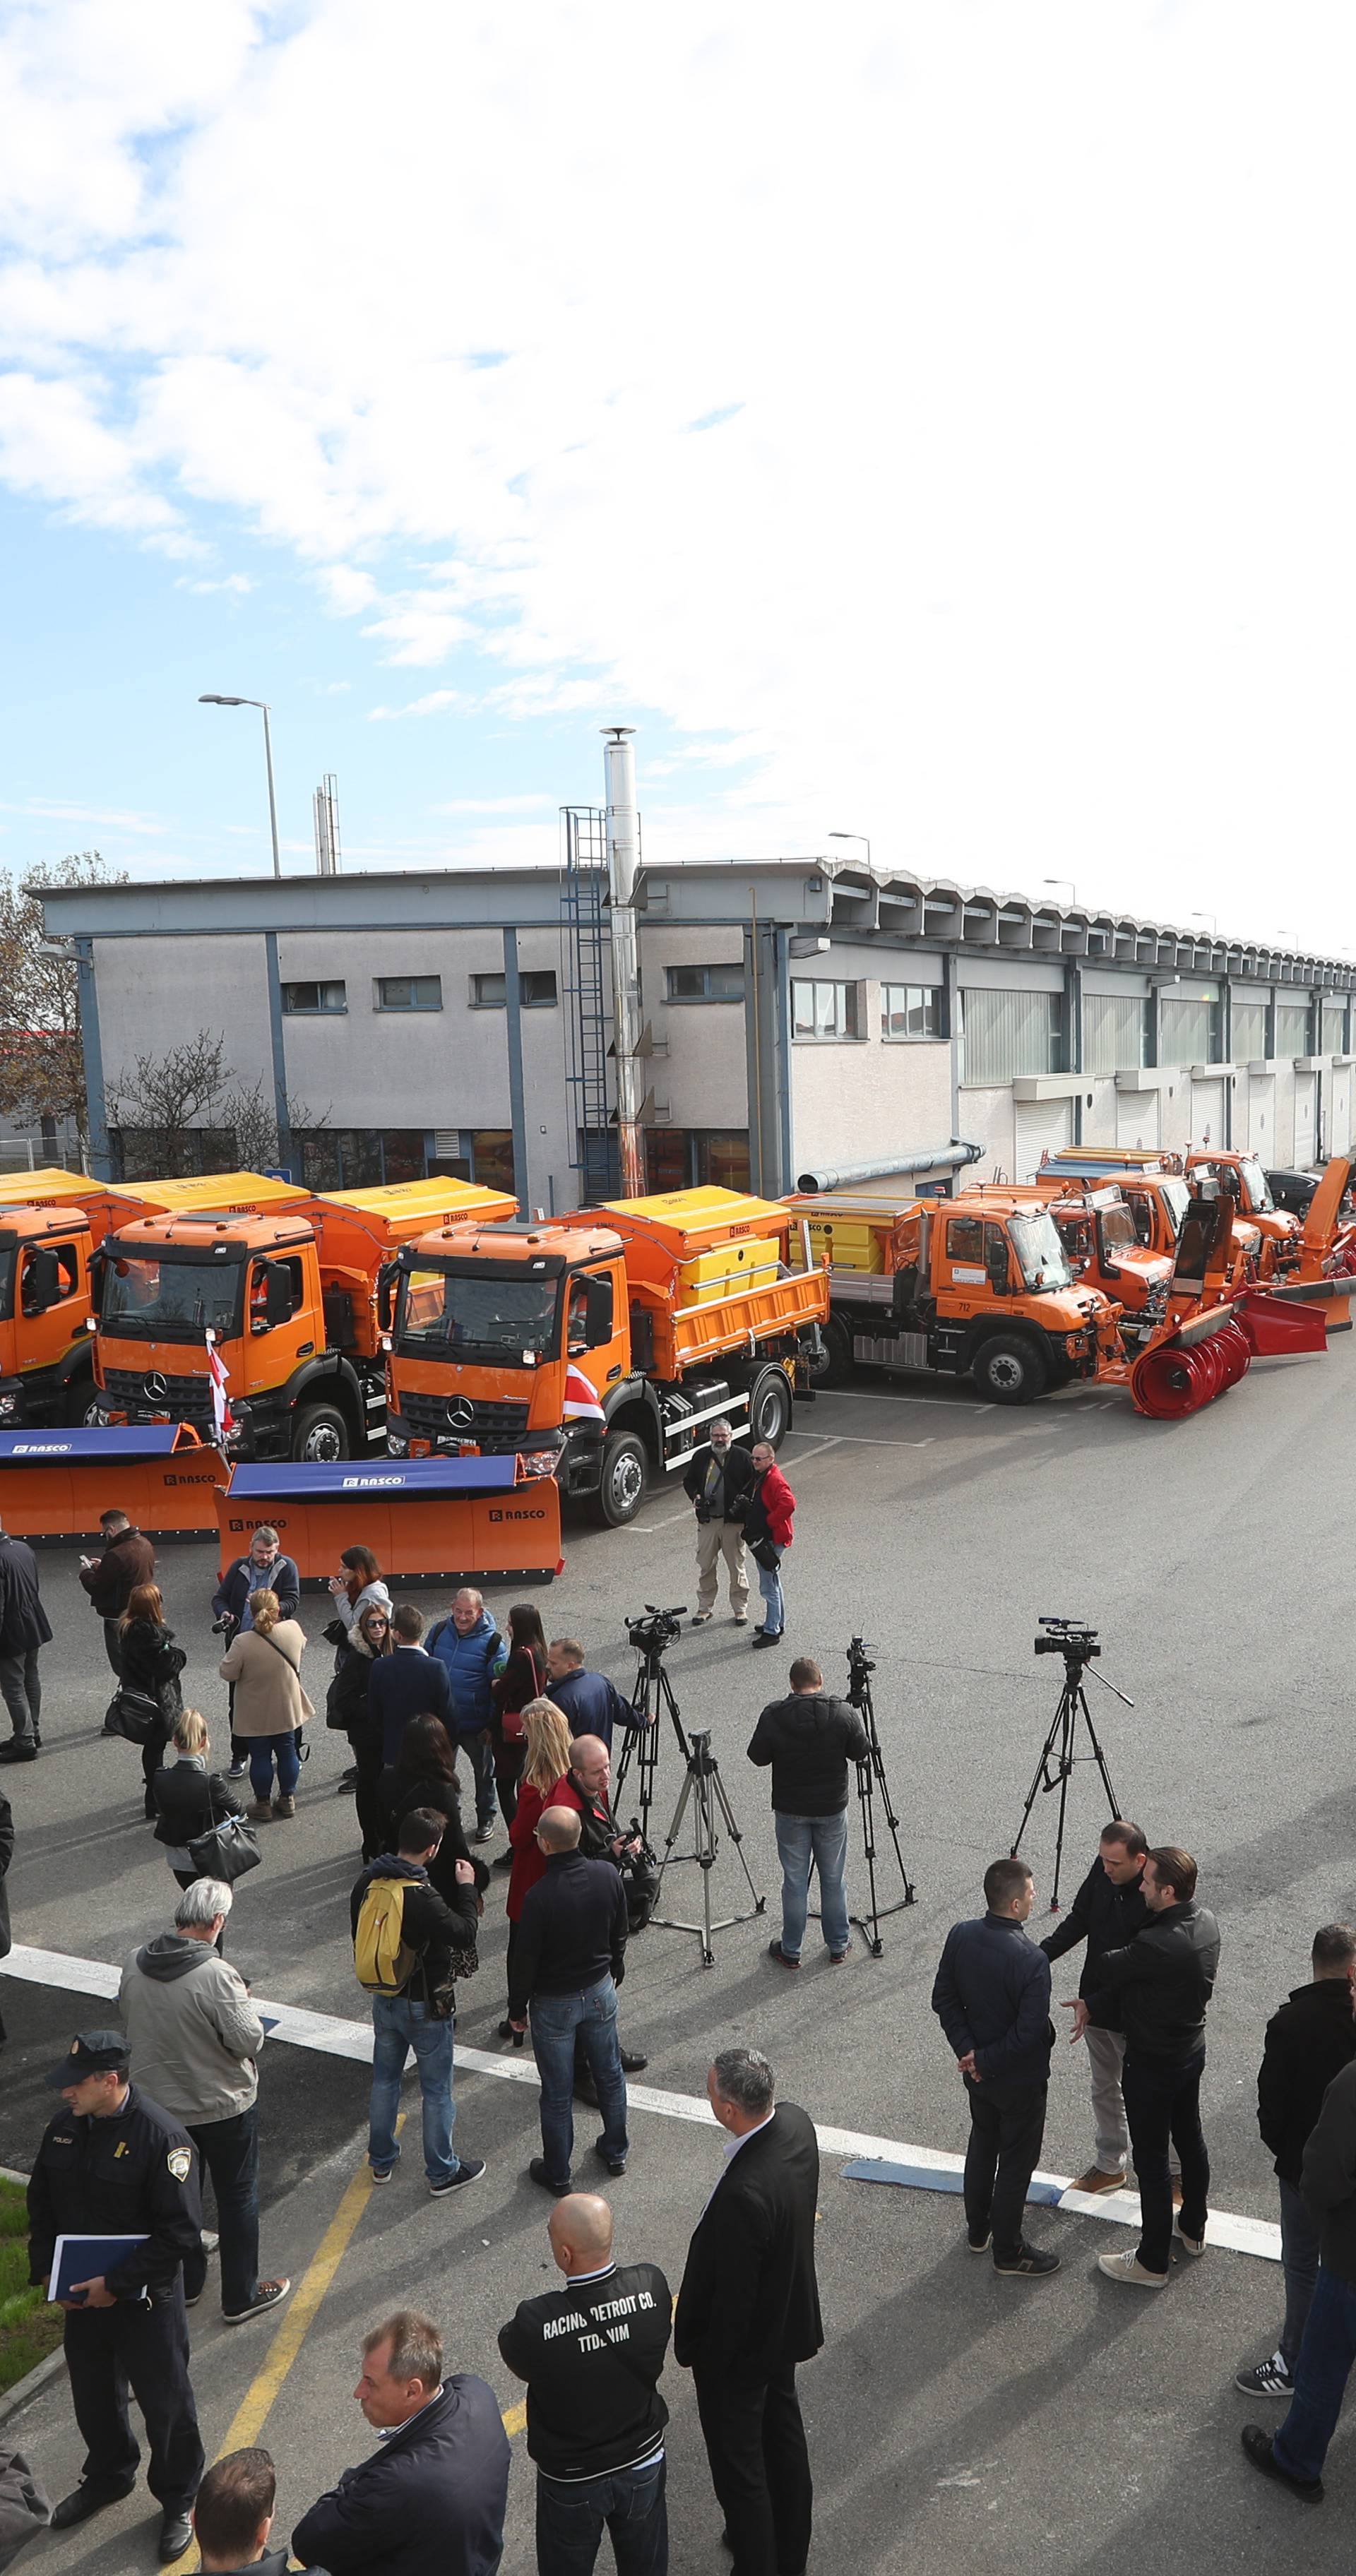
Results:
[158, 993]
[704, 1077]
[867, 1098]
[986, 1119]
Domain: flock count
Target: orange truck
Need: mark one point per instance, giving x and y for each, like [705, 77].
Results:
[281, 1295]
[1103, 1248]
[599, 1346]
[1242, 1176]
[1157, 1195]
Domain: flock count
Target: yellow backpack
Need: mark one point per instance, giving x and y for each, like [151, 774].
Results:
[382, 1956]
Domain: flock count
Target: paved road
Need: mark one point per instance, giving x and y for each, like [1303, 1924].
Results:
[948, 2431]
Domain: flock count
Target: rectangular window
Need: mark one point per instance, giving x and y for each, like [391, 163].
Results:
[1249, 1040]
[1292, 1029]
[705, 983]
[1184, 1033]
[409, 992]
[822, 1010]
[492, 1157]
[299, 998]
[684, 1158]
[358, 1158]
[1334, 1028]
[1115, 1032]
[1011, 1033]
[536, 990]
[911, 1010]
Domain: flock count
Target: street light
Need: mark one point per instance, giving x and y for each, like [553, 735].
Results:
[1063, 881]
[1212, 918]
[854, 836]
[214, 701]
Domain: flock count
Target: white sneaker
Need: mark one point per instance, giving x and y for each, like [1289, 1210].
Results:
[1192, 2245]
[1129, 2269]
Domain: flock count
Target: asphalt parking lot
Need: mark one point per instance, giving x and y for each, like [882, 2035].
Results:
[956, 2421]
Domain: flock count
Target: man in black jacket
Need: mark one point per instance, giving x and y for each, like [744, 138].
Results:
[265, 1569]
[719, 1483]
[24, 1629]
[571, 1958]
[409, 1682]
[1295, 2454]
[592, 2355]
[1308, 2042]
[430, 2501]
[411, 2015]
[809, 1740]
[748, 2312]
[991, 1995]
[1108, 1911]
[111, 1579]
[1159, 1986]
[601, 1838]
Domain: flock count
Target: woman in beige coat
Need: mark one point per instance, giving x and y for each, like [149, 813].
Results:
[270, 1704]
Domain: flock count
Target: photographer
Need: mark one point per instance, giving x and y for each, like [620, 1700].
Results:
[601, 1838]
[589, 1702]
[809, 1740]
[1108, 1911]
[719, 1482]
[767, 1527]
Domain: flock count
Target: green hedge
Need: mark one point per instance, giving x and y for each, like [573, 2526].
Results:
[29, 2328]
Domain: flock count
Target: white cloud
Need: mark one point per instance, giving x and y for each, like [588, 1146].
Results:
[238, 584]
[942, 422]
[42, 810]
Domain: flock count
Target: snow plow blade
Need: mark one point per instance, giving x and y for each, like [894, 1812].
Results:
[1277, 1324]
[457, 1518]
[54, 1484]
[1190, 1367]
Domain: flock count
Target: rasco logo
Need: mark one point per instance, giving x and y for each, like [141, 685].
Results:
[190, 1480]
[365, 1484]
[41, 1449]
[517, 1512]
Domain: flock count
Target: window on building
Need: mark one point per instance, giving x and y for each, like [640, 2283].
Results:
[1249, 1040]
[1191, 1031]
[1115, 1032]
[911, 1010]
[1334, 1028]
[1010, 1033]
[300, 999]
[358, 1158]
[1292, 1028]
[409, 992]
[536, 990]
[823, 1010]
[492, 1157]
[685, 1158]
[705, 983]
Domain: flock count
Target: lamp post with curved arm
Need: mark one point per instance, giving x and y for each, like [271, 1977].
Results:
[213, 701]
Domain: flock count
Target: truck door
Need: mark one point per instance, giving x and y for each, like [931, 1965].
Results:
[281, 1324]
[596, 1341]
[50, 1299]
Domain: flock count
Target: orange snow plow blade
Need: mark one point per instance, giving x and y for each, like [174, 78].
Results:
[458, 1518]
[55, 1484]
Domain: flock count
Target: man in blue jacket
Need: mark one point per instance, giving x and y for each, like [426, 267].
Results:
[992, 1998]
[432, 2496]
[589, 1702]
[468, 1646]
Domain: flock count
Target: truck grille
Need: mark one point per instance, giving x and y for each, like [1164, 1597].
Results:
[185, 1399]
[493, 1427]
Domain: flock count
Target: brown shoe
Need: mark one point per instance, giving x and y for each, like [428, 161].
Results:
[259, 1812]
[1177, 2191]
[284, 1807]
[1095, 2180]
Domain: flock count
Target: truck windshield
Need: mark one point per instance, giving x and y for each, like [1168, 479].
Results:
[1035, 1240]
[174, 1300]
[508, 1321]
[1259, 1199]
[1118, 1231]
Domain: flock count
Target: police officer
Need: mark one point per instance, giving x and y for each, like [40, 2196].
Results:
[112, 2163]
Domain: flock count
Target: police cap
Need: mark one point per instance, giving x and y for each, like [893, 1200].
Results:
[92, 2052]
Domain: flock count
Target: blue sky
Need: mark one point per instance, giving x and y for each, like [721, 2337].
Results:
[935, 425]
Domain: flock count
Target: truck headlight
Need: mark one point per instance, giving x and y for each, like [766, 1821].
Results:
[397, 1444]
[9, 1403]
[541, 1462]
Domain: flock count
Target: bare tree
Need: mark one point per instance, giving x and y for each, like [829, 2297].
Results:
[166, 1096]
[250, 1112]
[42, 1065]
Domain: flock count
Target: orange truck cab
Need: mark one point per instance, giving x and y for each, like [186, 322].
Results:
[285, 1298]
[1242, 1175]
[599, 1346]
[1157, 1195]
[1102, 1245]
[977, 1286]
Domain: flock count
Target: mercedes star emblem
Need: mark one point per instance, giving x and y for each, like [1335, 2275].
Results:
[157, 1388]
[461, 1413]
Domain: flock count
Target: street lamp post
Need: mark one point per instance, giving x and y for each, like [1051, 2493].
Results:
[214, 701]
[1063, 881]
[854, 836]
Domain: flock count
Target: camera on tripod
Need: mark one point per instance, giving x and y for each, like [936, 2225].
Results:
[1073, 1639]
[656, 1630]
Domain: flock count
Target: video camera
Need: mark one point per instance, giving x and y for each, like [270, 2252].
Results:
[1073, 1639]
[656, 1630]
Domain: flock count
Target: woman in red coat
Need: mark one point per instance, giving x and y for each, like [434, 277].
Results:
[767, 1535]
[544, 1784]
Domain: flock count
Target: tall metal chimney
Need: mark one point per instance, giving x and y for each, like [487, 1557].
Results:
[325, 807]
[623, 856]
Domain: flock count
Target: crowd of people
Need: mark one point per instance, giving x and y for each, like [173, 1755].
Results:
[170, 2099]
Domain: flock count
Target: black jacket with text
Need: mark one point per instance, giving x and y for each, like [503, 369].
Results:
[591, 2354]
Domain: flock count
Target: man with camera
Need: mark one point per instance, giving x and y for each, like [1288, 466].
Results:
[808, 1740]
[1108, 1911]
[719, 1484]
[589, 1703]
[992, 1998]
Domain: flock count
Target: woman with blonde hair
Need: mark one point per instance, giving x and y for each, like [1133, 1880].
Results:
[545, 1783]
[189, 1796]
[271, 1706]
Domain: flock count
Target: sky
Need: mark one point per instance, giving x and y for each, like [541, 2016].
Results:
[932, 421]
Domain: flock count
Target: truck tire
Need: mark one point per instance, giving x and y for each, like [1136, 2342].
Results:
[836, 1366]
[1009, 1369]
[621, 1486]
[81, 1401]
[769, 1407]
[320, 1435]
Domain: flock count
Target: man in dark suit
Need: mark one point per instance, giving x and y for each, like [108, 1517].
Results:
[748, 2311]
[409, 1682]
[24, 1629]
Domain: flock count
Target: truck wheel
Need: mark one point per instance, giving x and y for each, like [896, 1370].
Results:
[836, 1366]
[320, 1435]
[1010, 1370]
[82, 1403]
[621, 1489]
[769, 1408]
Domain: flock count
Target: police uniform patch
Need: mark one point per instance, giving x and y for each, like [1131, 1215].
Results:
[180, 2162]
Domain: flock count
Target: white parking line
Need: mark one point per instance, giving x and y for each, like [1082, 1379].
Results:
[333, 2037]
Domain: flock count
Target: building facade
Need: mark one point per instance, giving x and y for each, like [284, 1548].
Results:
[798, 1015]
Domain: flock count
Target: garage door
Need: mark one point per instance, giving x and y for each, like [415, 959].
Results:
[1137, 1118]
[1304, 1118]
[1207, 1113]
[1260, 1138]
[1043, 1126]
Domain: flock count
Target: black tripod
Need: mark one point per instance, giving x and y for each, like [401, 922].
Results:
[1060, 1749]
[870, 1777]
[703, 1787]
[651, 1698]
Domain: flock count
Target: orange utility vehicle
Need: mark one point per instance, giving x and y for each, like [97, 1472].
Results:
[1242, 1176]
[284, 1302]
[599, 1346]
[1157, 1194]
[977, 1286]
[1102, 1246]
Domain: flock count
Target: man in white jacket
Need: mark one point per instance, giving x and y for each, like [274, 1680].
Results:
[194, 2037]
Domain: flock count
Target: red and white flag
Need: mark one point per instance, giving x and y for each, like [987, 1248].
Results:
[222, 1419]
[581, 1398]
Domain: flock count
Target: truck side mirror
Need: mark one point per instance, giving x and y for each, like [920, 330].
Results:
[598, 1312]
[277, 1293]
[996, 1264]
[41, 1281]
[387, 1276]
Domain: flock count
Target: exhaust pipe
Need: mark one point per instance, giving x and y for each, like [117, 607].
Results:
[937, 1158]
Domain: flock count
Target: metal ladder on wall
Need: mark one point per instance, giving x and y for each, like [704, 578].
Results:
[586, 984]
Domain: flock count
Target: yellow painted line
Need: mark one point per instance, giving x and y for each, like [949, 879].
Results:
[515, 2418]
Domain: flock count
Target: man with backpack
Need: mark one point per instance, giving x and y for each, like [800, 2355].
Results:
[406, 1939]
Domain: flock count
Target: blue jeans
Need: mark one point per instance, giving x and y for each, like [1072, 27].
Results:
[555, 2019]
[397, 2027]
[264, 1751]
[479, 1753]
[823, 1840]
[774, 1608]
[1321, 2374]
[570, 2520]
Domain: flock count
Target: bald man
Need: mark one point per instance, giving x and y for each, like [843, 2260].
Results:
[569, 1959]
[592, 2355]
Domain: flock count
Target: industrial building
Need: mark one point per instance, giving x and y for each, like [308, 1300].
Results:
[776, 1018]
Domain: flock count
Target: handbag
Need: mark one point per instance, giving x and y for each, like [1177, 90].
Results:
[766, 1553]
[134, 1714]
[225, 1851]
[442, 2001]
[511, 1727]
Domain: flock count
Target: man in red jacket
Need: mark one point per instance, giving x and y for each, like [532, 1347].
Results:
[767, 1535]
